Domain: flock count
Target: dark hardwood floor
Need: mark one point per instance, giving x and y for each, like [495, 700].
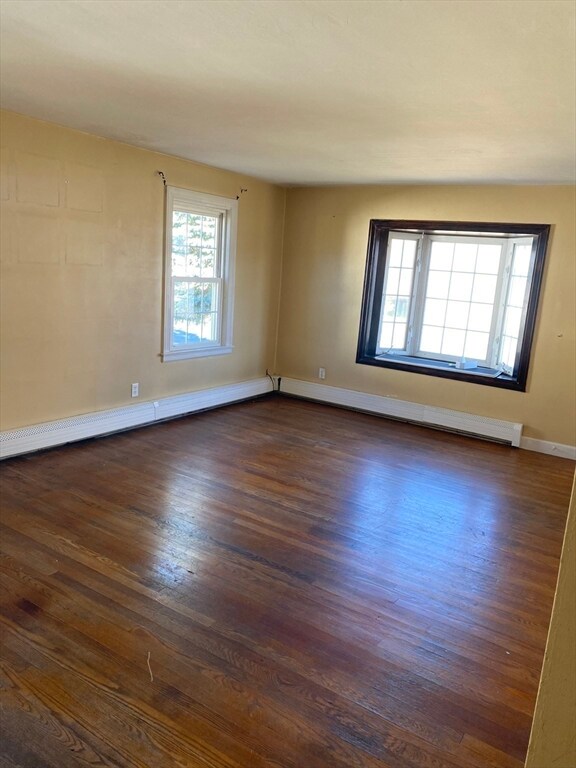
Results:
[276, 583]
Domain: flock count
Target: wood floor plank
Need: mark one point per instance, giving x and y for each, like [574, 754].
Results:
[308, 588]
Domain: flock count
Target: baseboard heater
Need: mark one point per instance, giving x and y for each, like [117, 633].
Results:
[507, 432]
[97, 424]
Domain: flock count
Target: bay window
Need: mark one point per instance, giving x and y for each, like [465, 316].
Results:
[452, 299]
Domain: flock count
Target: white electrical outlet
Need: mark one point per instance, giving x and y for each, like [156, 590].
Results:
[321, 373]
[135, 389]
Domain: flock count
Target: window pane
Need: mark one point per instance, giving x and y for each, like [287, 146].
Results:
[208, 262]
[438, 283]
[461, 286]
[457, 314]
[441, 255]
[194, 229]
[399, 336]
[509, 346]
[193, 261]
[209, 231]
[409, 253]
[402, 306]
[517, 292]
[488, 259]
[180, 300]
[179, 219]
[465, 257]
[480, 318]
[178, 264]
[208, 292]
[431, 339]
[395, 252]
[392, 280]
[405, 283]
[512, 322]
[506, 341]
[521, 261]
[484, 288]
[453, 342]
[209, 327]
[179, 243]
[476, 345]
[389, 308]
[434, 312]
[386, 332]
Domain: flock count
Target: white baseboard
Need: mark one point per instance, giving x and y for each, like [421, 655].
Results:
[468, 423]
[554, 449]
[49, 434]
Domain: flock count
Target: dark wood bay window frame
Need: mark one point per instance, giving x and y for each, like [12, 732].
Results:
[369, 353]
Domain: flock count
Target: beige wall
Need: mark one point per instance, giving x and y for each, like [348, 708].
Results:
[324, 259]
[553, 738]
[82, 230]
[82, 239]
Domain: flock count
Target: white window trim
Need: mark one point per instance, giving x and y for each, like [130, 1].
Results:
[212, 205]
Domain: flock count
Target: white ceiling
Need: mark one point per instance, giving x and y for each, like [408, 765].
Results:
[309, 92]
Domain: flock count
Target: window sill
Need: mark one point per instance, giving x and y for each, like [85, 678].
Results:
[487, 376]
[189, 354]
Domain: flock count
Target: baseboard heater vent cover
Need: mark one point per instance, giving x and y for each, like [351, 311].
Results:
[440, 418]
[49, 434]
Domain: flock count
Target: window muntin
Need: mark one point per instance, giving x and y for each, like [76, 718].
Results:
[459, 299]
[200, 249]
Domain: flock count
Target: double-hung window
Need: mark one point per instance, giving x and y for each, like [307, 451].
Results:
[452, 299]
[199, 272]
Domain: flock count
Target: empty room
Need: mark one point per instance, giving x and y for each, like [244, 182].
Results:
[288, 383]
